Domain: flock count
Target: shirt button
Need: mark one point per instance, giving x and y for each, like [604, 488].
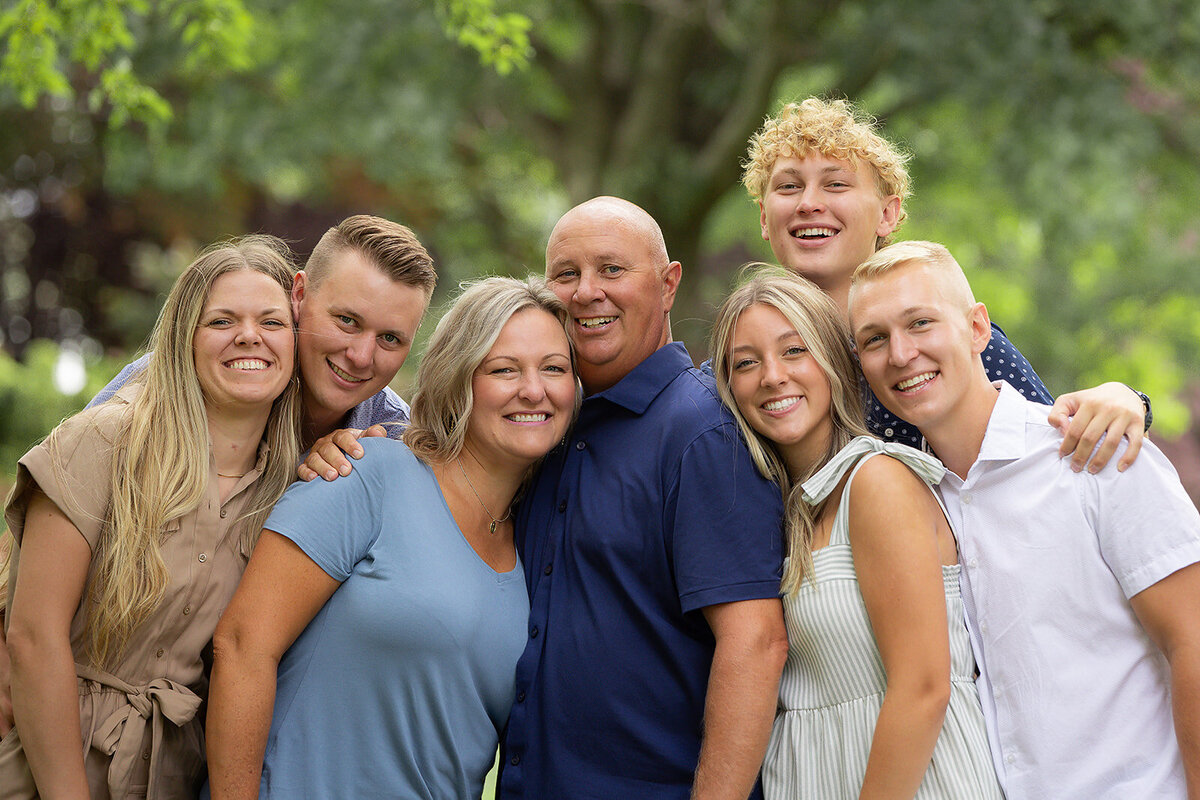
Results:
[966, 498]
[515, 760]
[533, 632]
[187, 609]
[562, 506]
[223, 513]
[159, 654]
[202, 558]
[549, 568]
[520, 697]
[983, 628]
[580, 445]
[973, 563]
[1010, 758]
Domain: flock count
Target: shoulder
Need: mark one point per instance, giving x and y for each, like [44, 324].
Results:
[881, 478]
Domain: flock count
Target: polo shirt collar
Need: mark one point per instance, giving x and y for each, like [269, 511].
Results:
[1004, 439]
[637, 390]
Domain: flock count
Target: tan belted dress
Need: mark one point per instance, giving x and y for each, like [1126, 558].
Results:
[142, 735]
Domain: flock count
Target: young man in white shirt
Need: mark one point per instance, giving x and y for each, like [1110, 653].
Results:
[1082, 590]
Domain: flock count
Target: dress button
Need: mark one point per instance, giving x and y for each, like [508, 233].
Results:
[549, 568]
[888, 432]
[533, 632]
[187, 610]
[223, 513]
[202, 558]
[159, 654]
[515, 760]
[580, 445]
[146, 755]
[562, 506]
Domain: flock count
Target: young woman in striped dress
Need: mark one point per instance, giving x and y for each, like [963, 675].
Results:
[878, 698]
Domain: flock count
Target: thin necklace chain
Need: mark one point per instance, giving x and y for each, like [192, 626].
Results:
[495, 521]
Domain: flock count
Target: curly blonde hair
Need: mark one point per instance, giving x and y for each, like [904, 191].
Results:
[833, 128]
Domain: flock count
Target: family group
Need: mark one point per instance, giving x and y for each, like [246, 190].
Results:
[860, 552]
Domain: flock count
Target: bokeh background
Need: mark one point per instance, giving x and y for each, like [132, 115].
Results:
[1054, 145]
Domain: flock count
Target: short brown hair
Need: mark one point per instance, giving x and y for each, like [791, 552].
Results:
[389, 245]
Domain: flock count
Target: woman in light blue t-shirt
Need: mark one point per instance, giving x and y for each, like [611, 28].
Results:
[371, 647]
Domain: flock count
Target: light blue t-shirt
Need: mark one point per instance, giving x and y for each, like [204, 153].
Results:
[400, 684]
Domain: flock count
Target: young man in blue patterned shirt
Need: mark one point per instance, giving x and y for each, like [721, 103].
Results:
[830, 192]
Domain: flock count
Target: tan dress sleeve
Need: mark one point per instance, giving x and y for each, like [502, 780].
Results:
[73, 467]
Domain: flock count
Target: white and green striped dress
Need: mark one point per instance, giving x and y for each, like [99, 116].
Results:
[833, 683]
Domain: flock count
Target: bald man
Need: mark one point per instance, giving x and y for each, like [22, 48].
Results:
[1081, 590]
[652, 552]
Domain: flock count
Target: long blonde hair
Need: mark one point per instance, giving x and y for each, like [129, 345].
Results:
[160, 465]
[827, 336]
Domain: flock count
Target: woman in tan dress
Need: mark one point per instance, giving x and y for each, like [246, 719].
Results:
[132, 523]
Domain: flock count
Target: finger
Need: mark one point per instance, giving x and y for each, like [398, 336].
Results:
[304, 473]
[375, 430]
[1088, 438]
[1071, 433]
[1136, 434]
[1099, 460]
[346, 441]
[333, 460]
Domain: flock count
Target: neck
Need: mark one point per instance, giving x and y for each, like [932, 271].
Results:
[316, 422]
[958, 439]
[235, 440]
[841, 295]
[480, 493]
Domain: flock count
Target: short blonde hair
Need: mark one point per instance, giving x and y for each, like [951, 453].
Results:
[441, 406]
[833, 128]
[915, 251]
[820, 323]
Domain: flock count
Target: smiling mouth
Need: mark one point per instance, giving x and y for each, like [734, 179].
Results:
[540, 416]
[781, 404]
[594, 322]
[915, 382]
[346, 376]
[250, 364]
[812, 234]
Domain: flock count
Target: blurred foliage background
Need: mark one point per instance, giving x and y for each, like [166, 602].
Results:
[1055, 147]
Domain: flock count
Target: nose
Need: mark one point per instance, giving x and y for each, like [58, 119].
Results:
[248, 333]
[588, 290]
[773, 372]
[810, 200]
[532, 389]
[901, 350]
[361, 350]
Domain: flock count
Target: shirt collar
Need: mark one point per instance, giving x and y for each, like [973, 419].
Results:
[1004, 439]
[637, 390]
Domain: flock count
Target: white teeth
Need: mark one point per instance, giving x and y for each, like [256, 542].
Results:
[248, 363]
[528, 417]
[780, 405]
[595, 322]
[908, 383]
[343, 374]
[813, 233]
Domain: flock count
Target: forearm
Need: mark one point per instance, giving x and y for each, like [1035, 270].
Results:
[46, 706]
[910, 720]
[241, 701]
[743, 691]
[1185, 702]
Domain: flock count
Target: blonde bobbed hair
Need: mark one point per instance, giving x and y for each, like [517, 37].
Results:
[441, 406]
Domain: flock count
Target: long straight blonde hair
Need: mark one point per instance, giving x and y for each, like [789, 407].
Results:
[827, 337]
[160, 465]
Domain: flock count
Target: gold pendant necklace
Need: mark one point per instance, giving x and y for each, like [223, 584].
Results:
[495, 521]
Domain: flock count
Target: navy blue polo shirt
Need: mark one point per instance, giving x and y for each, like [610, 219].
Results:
[650, 510]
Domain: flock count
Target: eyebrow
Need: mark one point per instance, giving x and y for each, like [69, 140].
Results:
[232, 313]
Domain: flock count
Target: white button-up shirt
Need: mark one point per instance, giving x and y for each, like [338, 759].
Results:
[1075, 694]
